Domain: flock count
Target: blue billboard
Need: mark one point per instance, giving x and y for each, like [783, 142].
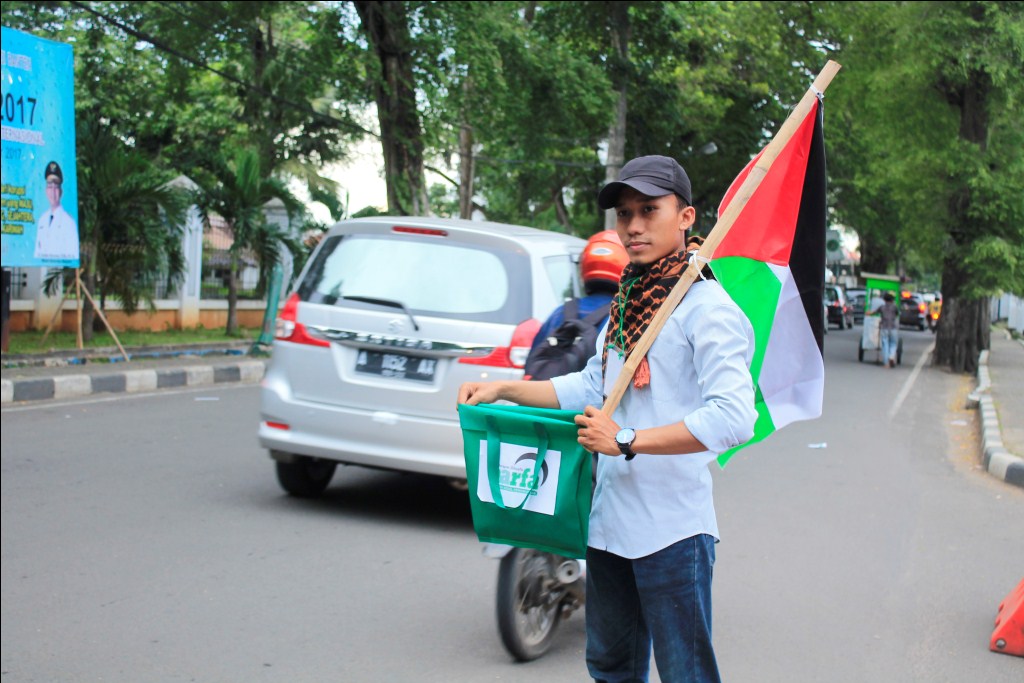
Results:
[40, 184]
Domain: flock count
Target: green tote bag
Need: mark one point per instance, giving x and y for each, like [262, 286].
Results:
[530, 481]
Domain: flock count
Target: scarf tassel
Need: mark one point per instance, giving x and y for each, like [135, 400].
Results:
[642, 376]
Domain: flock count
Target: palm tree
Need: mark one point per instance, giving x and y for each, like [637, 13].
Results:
[237, 192]
[131, 224]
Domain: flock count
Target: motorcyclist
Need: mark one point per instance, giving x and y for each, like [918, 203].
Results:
[934, 311]
[601, 265]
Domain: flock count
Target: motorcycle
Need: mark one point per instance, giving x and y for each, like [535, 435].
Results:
[933, 317]
[537, 590]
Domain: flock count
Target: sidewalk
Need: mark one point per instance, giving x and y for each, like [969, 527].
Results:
[1000, 370]
[71, 375]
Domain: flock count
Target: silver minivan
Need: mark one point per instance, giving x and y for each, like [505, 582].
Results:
[387, 319]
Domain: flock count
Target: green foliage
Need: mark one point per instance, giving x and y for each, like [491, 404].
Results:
[920, 170]
[182, 85]
[130, 219]
[238, 192]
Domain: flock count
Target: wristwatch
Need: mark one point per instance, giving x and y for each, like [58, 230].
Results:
[625, 439]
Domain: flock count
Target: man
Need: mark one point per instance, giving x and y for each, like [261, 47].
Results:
[652, 526]
[56, 231]
[889, 328]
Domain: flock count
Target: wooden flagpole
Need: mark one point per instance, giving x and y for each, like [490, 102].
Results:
[718, 233]
[78, 308]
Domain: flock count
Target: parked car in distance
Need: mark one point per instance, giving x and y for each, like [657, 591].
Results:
[913, 311]
[388, 318]
[858, 301]
[840, 313]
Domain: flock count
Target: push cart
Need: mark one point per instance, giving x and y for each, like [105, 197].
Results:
[871, 339]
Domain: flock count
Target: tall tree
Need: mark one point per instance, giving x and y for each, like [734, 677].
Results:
[130, 222]
[701, 82]
[237, 192]
[933, 99]
[980, 56]
[387, 28]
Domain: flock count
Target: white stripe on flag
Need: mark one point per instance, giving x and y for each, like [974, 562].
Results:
[793, 375]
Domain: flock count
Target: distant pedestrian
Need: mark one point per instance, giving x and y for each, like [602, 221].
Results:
[889, 328]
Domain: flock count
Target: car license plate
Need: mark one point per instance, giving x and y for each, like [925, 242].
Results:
[396, 365]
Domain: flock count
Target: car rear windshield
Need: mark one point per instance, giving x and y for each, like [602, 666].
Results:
[428, 275]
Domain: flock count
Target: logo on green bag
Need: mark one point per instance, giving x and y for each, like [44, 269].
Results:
[518, 480]
[521, 476]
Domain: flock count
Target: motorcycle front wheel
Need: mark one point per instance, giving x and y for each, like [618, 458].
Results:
[529, 602]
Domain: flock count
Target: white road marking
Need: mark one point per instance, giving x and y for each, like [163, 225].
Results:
[45, 404]
[908, 385]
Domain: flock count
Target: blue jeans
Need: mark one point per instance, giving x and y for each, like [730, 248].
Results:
[890, 341]
[662, 599]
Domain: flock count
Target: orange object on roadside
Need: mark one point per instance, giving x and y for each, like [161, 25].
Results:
[1008, 636]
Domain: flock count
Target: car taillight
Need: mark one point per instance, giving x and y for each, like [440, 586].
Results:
[289, 330]
[511, 356]
[434, 232]
[922, 308]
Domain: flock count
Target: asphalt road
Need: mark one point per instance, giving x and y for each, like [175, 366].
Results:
[145, 539]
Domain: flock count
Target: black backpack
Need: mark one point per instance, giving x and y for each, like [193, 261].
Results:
[568, 347]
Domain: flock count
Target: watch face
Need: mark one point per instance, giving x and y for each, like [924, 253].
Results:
[625, 436]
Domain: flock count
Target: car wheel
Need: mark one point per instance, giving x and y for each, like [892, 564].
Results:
[306, 477]
[860, 352]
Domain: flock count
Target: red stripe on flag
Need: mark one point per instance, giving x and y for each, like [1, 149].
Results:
[764, 229]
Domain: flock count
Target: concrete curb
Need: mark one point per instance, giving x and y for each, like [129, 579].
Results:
[997, 460]
[129, 381]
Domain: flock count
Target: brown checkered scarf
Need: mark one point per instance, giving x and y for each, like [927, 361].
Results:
[642, 290]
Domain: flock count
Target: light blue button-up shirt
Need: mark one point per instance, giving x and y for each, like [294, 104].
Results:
[700, 376]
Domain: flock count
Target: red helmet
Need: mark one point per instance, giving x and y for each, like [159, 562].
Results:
[603, 258]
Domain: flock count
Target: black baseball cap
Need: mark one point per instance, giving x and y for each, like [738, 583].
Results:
[53, 170]
[654, 176]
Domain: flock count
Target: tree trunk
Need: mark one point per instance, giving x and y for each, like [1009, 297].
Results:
[387, 29]
[620, 35]
[466, 171]
[963, 331]
[88, 275]
[257, 115]
[561, 212]
[964, 328]
[232, 326]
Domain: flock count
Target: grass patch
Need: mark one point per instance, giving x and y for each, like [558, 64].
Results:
[32, 342]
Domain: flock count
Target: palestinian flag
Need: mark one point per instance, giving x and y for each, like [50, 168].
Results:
[772, 264]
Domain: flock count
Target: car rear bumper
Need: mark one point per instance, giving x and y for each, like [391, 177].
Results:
[351, 435]
[919, 321]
